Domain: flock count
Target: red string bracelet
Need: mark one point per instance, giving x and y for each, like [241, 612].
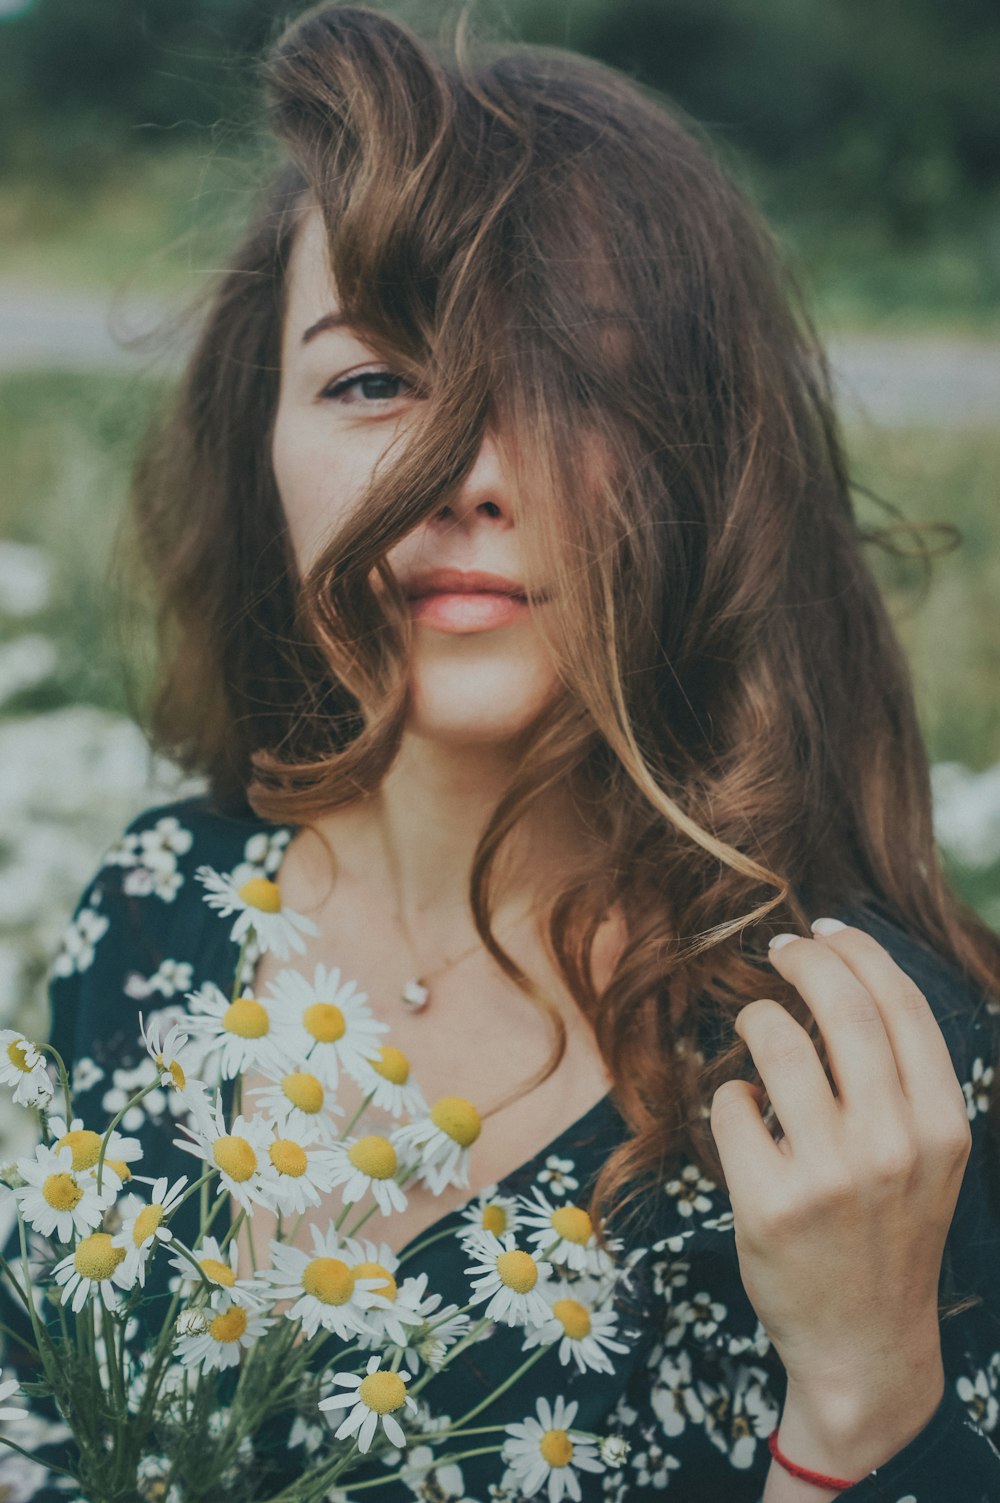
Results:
[837, 1484]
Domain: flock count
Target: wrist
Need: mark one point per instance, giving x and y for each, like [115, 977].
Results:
[849, 1433]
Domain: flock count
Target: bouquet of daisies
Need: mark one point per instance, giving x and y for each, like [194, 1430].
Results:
[171, 1359]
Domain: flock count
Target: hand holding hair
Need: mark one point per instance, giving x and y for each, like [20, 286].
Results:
[841, 1224]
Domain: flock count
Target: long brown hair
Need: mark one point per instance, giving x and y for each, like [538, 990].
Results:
[550, 250]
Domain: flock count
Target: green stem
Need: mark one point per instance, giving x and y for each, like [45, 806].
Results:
[233, 1230]
[439, 1461]
[63, 1077]
[191, 1189]
[33, 1456]
[507, 1383]
[411, 1252]
[357, 1114]
[154, 1085]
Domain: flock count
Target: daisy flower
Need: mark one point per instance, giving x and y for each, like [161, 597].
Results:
[405, 1309]
[85, 1145]
[95, 1266]
[142, 1231]
[491, 1212]
[256, 901]
[546, 1451]
[8, 1387]
[564, 1233]
[54, 1199]
[221, 1269]
[507, 1276]
[324, 1022]
[164, 1041]
[240, 1152]
[369, 1163]
[444, 1327]
[373, 1395]
[228, 1330]
[300, 1103]
[438, 1144]
[298, 1173]
[585, 1333]
[22, 1065]
[385, 1077]
[241, 1033]
[327, 1292]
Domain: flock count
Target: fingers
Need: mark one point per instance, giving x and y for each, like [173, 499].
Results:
[746, 1149]
[791, 1072]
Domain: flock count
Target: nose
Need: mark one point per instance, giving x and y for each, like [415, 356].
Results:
[483, 497]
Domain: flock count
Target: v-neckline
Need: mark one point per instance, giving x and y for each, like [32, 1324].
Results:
[520, 1171]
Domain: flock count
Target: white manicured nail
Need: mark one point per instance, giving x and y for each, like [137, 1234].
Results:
[826, 926]
[781, 939]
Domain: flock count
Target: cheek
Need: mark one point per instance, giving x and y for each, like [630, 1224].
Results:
[316, 482]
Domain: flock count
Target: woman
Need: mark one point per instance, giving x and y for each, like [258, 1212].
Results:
[515, 609]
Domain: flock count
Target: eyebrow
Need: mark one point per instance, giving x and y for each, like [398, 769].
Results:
[328, 321]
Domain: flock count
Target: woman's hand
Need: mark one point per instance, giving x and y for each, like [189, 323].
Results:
[840, 1225]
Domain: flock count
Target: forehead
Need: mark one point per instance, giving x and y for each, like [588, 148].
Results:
[310, 290]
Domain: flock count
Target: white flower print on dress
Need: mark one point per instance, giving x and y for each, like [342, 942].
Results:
[76, 953]
[558, 1175]
[691, 1191]
[653, 1466]
[979, 1397]
[740, 1416]
[977, 1090]
[672, 1397]
[701, 1313]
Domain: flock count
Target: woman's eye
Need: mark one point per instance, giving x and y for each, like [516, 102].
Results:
[370, 383]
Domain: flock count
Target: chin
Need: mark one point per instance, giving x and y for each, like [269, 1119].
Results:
[482, 705]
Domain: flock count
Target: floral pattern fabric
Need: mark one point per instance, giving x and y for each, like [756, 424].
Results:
[693, 1386]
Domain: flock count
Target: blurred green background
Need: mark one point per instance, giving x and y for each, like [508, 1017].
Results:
[868, 134]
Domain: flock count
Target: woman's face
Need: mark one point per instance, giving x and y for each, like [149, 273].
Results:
[480, 670]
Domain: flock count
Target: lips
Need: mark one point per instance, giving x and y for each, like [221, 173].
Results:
[463, 582]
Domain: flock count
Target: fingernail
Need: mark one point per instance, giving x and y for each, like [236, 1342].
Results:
[781, 939]
[826, 926]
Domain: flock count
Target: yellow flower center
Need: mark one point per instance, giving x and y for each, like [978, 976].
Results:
[574, 1318]
[120, 1167]
[494, 1219]
[376, 1271]
[217, 1271]
[518, 1270]
[374, 1156]
[556, 1448]
[392, 1064]
[176, 1073]
[304, 1091]
[383, 1392]
[146, 1224]
[86, 1147]
[62, 1192]
[95, 1258]
[288, 1157]
[458, 1118]
[262, 894]
[17, 1053]
[325, 1022]
[247, 1018]
[235, 1157]
[572, 1223]
[229, 1326]
[328, 1280]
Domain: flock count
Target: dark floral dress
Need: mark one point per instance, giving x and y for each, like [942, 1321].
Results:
[700, 1387]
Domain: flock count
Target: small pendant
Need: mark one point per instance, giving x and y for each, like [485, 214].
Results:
[415, 995]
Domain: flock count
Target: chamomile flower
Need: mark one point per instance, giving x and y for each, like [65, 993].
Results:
[385, 1078]
[324, 1023]
[438, 1145]
[22, 1065]
[490, 1212]
[373, 1395]
[507, 1277]
[239, 1033]
[369, 1163]
[300, 1103]
[565, 1234]
[164, 1042]
[85, 1145]
[405, 1310]
[228, 1330]
[298, 1173]
[8, 1388]
[585, 1332]
[444, 1326]
[239, 1152]
[95, 1266]
[547, 1452]
[54, 1199]
[221, 1268]
[326, 1292]
[256, 901]
[142, 1231]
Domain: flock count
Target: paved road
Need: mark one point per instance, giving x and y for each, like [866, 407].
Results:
[940, 381]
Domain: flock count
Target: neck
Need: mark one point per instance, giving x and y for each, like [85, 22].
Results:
[412, 842]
